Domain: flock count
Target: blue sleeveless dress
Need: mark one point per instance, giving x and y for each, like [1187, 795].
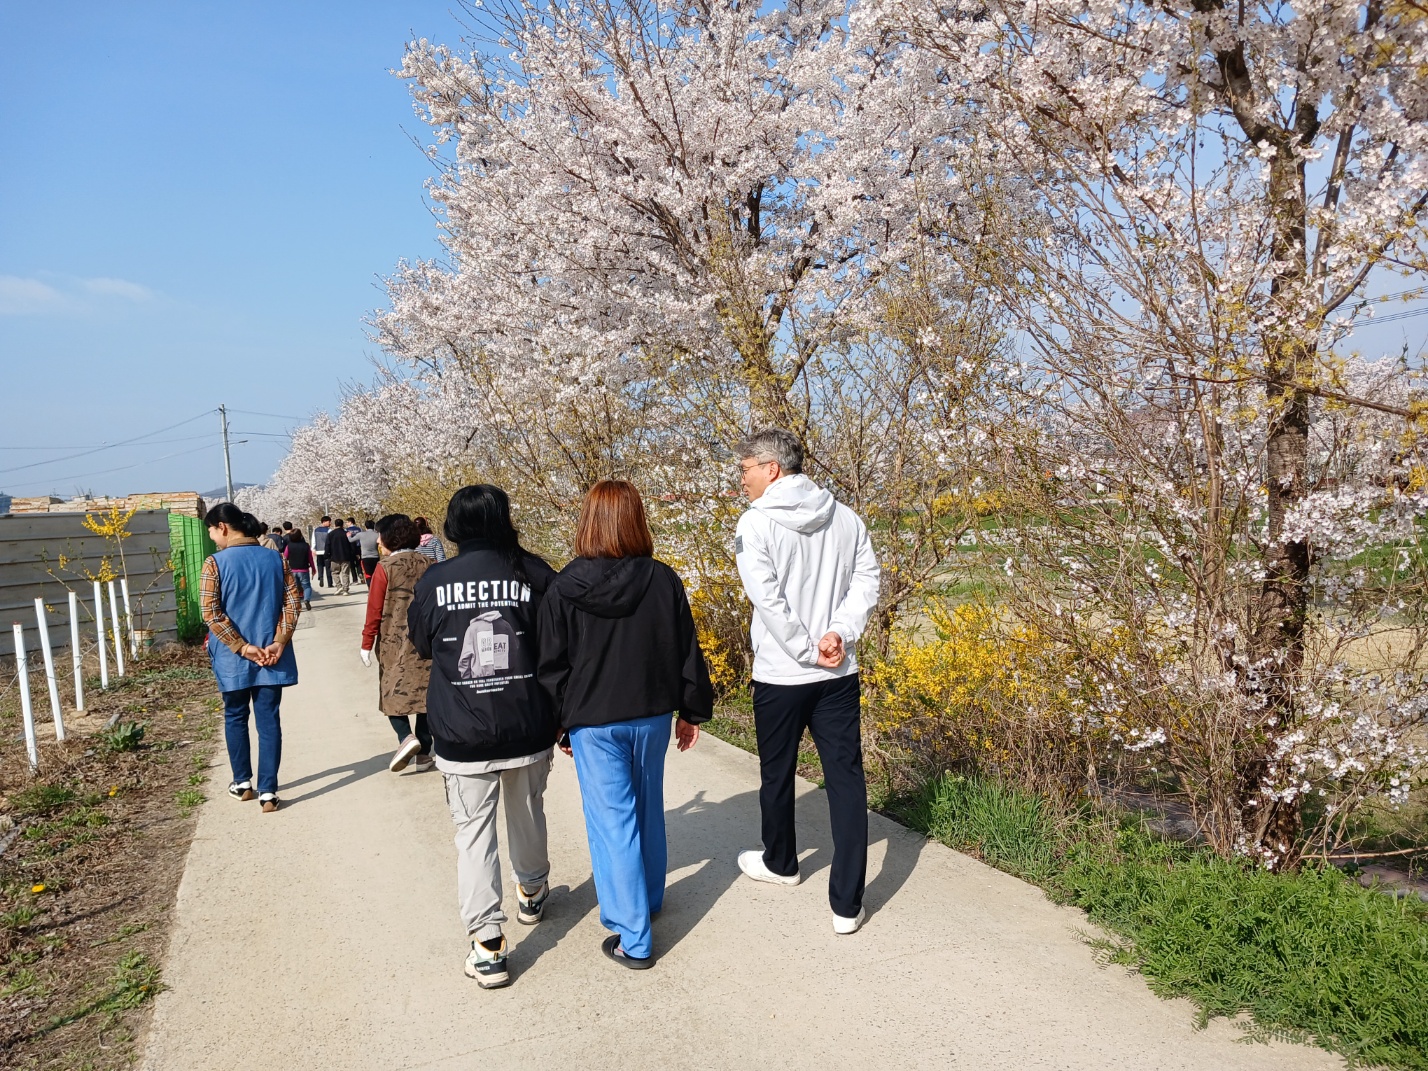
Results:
[250, 589]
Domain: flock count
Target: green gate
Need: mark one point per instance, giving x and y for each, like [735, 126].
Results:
[189, 545]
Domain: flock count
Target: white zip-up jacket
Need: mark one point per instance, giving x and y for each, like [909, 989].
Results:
[808, 567]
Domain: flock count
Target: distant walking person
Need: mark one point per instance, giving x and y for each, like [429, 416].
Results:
[267, 539]
[367, 548]
[621, 661]
[808, 567]
[298, 555]
[319, 552]
[493, 728]
[251, 603]
[402, 674]
[429, 545]
[342, 558]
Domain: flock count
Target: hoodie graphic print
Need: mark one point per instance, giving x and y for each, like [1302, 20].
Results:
[490, 644]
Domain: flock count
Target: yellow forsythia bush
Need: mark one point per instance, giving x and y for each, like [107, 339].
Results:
[984, 693]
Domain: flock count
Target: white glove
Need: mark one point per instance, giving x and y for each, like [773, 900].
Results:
[366, 657]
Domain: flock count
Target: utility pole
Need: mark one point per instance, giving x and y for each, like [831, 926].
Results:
[227, 462]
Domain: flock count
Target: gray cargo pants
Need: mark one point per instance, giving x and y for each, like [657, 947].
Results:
[472, 799]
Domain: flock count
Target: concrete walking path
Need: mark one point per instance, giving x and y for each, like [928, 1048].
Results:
[326, 936]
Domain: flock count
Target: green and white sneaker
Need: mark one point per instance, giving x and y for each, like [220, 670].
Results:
[530, 906]
[488, 966]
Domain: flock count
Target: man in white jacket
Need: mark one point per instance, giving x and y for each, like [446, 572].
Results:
[809, 569]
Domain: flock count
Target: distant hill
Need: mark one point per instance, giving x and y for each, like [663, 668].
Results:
[220, 494]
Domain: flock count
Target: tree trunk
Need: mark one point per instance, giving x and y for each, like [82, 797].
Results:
[1278, 646]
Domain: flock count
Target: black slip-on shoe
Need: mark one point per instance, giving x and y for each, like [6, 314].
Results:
[611, 947]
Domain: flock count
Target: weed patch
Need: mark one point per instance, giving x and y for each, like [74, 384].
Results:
[87, 884]
[1308, 954]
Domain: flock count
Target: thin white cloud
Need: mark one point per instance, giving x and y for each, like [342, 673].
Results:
[27, 297]
[118, 288]
[64, 294]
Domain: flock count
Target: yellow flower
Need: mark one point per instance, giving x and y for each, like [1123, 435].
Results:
[113, 791]
[37, 888]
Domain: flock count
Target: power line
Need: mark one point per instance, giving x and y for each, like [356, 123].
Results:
[1409, 314]
[107, 446]
[134, 465]
[275, 416]
[88, 446]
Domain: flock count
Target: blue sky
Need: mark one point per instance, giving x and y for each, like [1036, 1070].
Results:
[197, 202]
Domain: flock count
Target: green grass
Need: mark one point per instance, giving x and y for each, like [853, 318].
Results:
[42, 799]
[187, 799]
[1309, 955]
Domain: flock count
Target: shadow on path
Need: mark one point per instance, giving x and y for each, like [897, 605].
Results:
[563, 911]
[350, 774]
[714, 833]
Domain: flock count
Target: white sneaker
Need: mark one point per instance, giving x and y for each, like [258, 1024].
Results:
[403, 755]
[753, 865]
[849, 925]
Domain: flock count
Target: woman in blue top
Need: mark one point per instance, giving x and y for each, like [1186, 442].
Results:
[250, 602]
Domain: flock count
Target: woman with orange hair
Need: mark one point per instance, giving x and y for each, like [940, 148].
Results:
[620, 659]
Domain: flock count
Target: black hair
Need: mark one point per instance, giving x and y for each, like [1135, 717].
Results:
[397, 532]
[229, 514]
[287, 526]
[370, 524]
[295, 536]
[482, 511]
[326, 518]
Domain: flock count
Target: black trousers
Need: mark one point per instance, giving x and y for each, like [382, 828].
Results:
[324, 571]
[830, 711]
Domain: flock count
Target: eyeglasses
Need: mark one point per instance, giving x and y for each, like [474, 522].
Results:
[749, 466]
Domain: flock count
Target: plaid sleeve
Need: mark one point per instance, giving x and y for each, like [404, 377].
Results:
[210, 603]
[292, 607]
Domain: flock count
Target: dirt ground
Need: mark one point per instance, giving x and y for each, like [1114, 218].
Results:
[91, 853]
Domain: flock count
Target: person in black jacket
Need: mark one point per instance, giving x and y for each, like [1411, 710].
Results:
[342, 555]
[493, 727]
[618, 656]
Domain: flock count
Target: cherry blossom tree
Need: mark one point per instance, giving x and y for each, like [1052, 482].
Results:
[1214, 188]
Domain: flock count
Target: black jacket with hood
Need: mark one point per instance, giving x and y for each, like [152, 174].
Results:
[617, 642]
[476, 619]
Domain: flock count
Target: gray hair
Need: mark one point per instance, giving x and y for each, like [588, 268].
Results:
[774, 444]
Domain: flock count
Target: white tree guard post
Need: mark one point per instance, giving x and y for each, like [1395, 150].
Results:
[99, 629]
[32, 748]
[117, 629]
[129, 619]
[51, 678]
[75, 651]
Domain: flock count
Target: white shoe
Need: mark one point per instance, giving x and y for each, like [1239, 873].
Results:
[753, 865]
[849, 925]
[404, 753]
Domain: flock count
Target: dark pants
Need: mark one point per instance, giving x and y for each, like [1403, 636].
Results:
[369, 566]
[265, 699]
[403, 726]
[830, 711]
[324, 571]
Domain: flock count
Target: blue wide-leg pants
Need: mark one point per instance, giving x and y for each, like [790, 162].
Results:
[621, 772]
